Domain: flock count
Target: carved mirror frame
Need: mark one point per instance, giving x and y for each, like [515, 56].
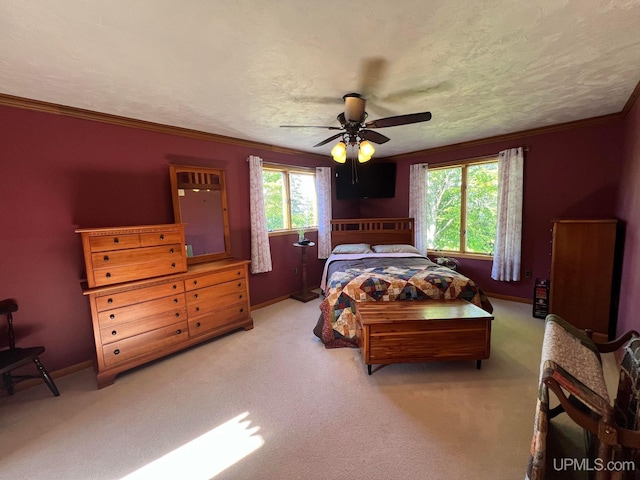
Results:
[185, 177]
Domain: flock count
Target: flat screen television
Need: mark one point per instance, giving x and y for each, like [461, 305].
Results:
[365, 180]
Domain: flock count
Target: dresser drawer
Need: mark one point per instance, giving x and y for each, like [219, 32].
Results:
[205, 323]
[132, 297]
[125, 254]
[113, 242]
[215, 291]
[130, 256]
[173, 304]
[214, 278]
[127, 273]
[145, 343]
[160, 238]
[210, 304]
[110, 334]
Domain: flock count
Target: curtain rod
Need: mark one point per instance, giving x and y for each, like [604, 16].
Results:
[465, 160]
[289, 165]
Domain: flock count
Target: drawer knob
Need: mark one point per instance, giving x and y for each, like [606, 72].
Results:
[197, 324]
[171, 250]
[110, 300]
[178, 332]
[238, 273]
[116, 351]
[177, 314]
[195, 295]
[161, 237]
[240, 296]
[116, 240]
[239, 284]
[114, 333]
[112, 316]
[106, 258]
[197, 309]
[195, 282]
[175, 300]
[108, 275]
[173, 265]
[175, 287]
[241, 310]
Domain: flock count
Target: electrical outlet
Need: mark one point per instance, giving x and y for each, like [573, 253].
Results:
[295, 270]
[527, 273]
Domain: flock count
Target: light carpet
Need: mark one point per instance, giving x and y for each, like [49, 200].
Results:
[273, 403]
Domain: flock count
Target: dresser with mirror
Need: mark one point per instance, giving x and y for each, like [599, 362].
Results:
[157, 289]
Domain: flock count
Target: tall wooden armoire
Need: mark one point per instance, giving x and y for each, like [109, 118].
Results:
[585, 275]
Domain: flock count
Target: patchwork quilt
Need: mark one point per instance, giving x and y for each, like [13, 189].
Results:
[346, 288]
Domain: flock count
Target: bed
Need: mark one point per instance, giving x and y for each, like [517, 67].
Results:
[373, 260]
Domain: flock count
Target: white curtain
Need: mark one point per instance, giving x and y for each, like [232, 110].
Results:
[418, 201]
[507, 248]
[323, 194]
[260, 248]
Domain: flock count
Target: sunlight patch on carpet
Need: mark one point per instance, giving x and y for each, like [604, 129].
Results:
[205, 456]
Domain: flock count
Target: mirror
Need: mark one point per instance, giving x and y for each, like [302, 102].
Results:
[200, 202]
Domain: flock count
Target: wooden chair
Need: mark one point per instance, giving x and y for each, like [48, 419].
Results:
[612, 437]
[14, 357]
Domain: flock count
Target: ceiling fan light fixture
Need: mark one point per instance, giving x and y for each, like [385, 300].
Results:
[339, 152]
[367, 149]
[363, 158]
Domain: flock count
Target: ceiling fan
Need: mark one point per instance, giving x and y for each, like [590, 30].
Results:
[356, 132]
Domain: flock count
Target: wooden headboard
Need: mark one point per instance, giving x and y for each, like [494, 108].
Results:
[374, 231]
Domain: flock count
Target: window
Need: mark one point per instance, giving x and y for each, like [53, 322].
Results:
[289, 197]
[462, 207]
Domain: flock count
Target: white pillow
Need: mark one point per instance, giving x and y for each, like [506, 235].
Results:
[398, 248]
[352, 248]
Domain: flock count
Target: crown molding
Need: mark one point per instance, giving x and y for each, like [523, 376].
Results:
[57, 109]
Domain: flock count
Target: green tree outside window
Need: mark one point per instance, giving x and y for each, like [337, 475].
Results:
[462, 207]
[290, 198]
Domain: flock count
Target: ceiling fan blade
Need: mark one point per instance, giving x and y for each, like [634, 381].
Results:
[407, 94]
[372, 71]
[317, 99]
[372, 136]
[399, 120]
[327, 140]
[310, 126]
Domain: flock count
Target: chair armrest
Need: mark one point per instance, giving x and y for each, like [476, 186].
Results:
[629, 438]
[582, 419]
[604, 429]
[613, 345]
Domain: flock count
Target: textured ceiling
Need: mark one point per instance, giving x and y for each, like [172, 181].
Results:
[241, 68]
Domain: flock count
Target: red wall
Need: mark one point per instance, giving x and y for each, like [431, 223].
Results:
[629, 212]
[59, 173]
[569, 173]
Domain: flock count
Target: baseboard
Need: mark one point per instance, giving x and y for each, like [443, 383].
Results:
[276, 300]
[32, 382]
[508, 297]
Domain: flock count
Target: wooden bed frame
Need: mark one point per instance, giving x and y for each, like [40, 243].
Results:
[374, 231]
[412, 331]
